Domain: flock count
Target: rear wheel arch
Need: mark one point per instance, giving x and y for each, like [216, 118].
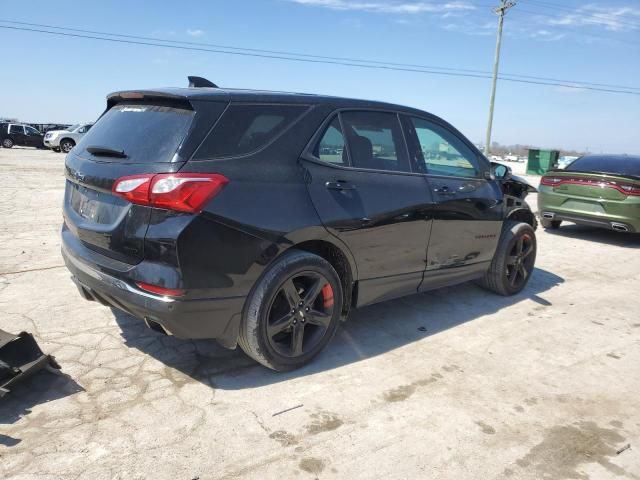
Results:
[339, 261]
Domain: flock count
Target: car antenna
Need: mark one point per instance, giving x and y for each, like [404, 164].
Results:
[199, 82]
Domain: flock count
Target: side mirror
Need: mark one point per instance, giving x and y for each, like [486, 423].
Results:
[500, 172]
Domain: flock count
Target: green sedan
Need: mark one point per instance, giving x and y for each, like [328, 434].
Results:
[597, 190]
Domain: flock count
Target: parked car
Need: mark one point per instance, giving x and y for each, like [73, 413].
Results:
[65, 140]
[597, 190]
[228, 214]
[17, 134]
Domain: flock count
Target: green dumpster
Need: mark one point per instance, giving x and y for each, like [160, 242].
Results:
[541, 161]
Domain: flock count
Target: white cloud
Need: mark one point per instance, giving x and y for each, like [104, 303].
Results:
[390, 6]
[593, 15]
[195, 33]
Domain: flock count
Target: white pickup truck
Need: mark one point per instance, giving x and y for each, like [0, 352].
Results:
[65, 140]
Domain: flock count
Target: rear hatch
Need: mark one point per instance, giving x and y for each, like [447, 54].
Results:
[142, 136]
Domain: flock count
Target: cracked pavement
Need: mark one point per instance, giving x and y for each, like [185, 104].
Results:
[453, 384]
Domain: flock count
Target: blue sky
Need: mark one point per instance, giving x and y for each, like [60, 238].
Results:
[57, 79]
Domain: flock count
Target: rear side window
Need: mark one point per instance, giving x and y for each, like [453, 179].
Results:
[16, 129]
[614, 165]
[375, 141]
[146, 133]
[245, 128]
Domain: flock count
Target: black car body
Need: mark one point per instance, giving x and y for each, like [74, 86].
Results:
[394, 199]
[12, 134]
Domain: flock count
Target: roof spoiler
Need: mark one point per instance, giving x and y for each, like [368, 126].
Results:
[199, 82]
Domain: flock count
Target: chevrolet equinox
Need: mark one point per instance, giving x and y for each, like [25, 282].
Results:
[261, 218]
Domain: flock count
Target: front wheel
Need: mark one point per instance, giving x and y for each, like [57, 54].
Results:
[514, 260]
[293, 311]
[66, 145]
[7, 143]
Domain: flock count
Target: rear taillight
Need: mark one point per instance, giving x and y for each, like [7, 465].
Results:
[183, 192]
[624, 188]
[629, 189]
[551, 181]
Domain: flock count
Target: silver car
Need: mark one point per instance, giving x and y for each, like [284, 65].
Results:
[65, 140]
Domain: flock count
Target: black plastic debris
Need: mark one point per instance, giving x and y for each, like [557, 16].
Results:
[20, 357]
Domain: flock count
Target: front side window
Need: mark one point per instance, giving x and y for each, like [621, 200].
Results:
[331, 148]
[245, 128]
[32, 131]
[439, 152]
[16, 129]
[375, 141]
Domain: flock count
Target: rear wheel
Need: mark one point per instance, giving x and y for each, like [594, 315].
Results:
[293, 312]
[550, 224]
[7, 143]
[66, 145]
[514, 260]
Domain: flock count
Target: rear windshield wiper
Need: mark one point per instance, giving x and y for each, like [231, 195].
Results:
[99, 151]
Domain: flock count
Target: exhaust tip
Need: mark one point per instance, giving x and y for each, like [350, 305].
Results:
[619, 227]
[153, 325]
[548, 215]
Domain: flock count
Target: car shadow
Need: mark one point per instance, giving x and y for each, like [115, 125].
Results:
[601, 235]
[370, 331]
[41, 387]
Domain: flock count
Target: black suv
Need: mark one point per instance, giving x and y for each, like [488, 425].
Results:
[261, 218]
[18, 134]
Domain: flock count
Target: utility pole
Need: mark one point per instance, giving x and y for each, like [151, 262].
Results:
[500, 11]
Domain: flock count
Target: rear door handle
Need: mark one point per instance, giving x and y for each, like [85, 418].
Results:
[340, 185]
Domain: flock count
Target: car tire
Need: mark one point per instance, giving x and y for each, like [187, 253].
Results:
[550, 224]
[66, 145]
[276, 329]
[514, 260]
[7, 143]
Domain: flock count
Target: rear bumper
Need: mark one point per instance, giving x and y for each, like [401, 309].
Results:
[198, 318]
[619, 225]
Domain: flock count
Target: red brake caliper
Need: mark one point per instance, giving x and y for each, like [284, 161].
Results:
[327, 296]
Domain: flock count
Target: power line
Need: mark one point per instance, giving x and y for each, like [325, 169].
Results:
[323, 57]
[575, 85]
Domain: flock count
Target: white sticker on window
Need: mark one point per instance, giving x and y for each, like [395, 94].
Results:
[133, 109]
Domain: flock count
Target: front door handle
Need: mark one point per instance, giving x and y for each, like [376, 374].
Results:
[340, 185]
[444, 190]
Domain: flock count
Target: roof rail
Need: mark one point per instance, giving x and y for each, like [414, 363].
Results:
[199, 82]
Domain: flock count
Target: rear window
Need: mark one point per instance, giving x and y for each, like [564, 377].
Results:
[146, 133]
[614, 165]
[245, 128]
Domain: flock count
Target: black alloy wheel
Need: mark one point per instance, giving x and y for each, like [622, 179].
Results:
[292, 312]
[300, 314]
[521, 261]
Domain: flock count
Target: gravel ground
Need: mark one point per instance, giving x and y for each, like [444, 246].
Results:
[453, 384]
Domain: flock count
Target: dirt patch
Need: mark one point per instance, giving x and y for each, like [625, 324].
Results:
[518, 408]
[312, 465]
[566, 447]
[284, 438]
[324, 422]
[403, 392]
[488, 429]
[613, 355]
